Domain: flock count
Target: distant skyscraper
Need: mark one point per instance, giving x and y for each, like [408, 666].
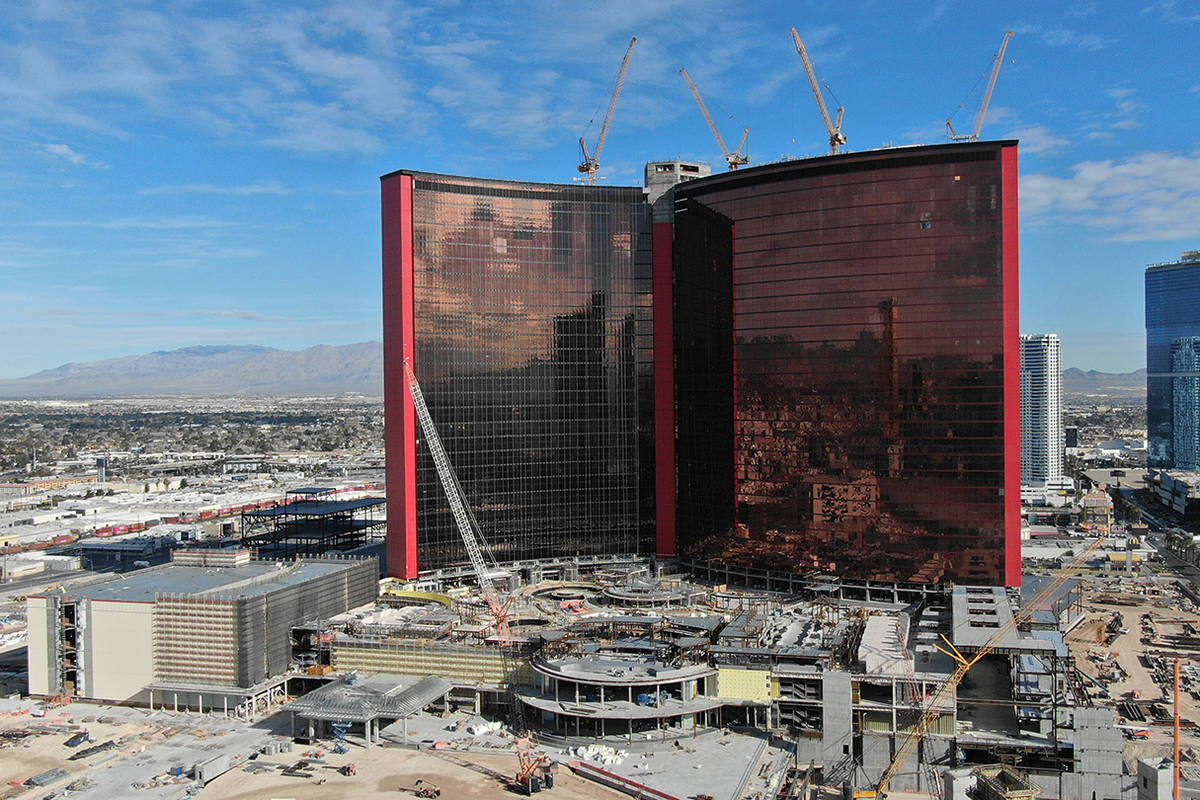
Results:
[1172, 374]
[1185, 402]
[1041, 408]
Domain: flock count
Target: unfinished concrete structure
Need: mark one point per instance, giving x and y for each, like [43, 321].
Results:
[628, 652]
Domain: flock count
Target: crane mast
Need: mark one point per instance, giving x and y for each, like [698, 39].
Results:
[836, 137]
[590, 163]
[463, 517]
[942, 698]
[734, 159]
[987, 97]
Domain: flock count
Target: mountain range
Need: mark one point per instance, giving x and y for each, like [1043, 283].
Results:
[213, 370]
[231, 370]
[1104, 384]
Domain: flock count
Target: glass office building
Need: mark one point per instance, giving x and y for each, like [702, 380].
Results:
[874, 355]
[525, 310]
[1172, 378]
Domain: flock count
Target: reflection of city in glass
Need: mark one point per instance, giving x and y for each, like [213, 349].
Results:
[532, 344]
[1172, 316]
[870, 334]
[1185, 401]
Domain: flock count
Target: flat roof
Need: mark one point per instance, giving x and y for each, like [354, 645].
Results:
[370, 697]
[316, 508]
[247, 580]
[849, 161]
[980, 612]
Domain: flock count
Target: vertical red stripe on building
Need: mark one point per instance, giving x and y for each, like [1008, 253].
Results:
[1010, 276]
[398, 345]
[664, 390]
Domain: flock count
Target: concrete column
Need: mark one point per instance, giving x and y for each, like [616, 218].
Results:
[226, 700]
[176, 694]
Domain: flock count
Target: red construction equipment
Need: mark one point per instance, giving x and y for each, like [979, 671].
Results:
[534, 768]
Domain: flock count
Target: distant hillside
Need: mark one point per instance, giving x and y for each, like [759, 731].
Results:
[1104, 384]
[213, 370]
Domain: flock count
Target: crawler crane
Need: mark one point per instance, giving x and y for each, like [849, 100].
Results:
[468, 527]
[836, 137]
[734, 159]
[590, 163]
[973, 136]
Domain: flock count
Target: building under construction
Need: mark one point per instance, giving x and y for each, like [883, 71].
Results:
[210, 629]
[844, 680]
[313, 523]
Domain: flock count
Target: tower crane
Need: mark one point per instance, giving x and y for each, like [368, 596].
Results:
[973, 136]
[836, 137]
[590, 163]
[468, 527]
[734, 159]
[942, 697]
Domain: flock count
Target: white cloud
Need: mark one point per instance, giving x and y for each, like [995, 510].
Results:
[134, 223]
[1063, 37]
[238, 314]
[67, 154]
[1168, 11]
[1037, 139]
[264, 187]
[1152, 196]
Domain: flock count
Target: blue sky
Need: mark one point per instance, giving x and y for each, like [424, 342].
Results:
[184, 173]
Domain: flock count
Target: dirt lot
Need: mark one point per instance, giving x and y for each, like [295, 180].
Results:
[1095, 652]
[48, 750]
[380, 771]
[393, 772]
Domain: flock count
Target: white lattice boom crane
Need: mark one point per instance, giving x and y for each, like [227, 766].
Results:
[590, 163]
[463, 518]
[973, 136]
[734, 159]
[836, 137]
[942, 698]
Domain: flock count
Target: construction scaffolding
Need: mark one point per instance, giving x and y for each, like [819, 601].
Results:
[222, 637]
[312, 523]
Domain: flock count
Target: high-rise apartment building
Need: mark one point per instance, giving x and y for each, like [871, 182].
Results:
[1041, 408]
[1172, 377]
[806, 366]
